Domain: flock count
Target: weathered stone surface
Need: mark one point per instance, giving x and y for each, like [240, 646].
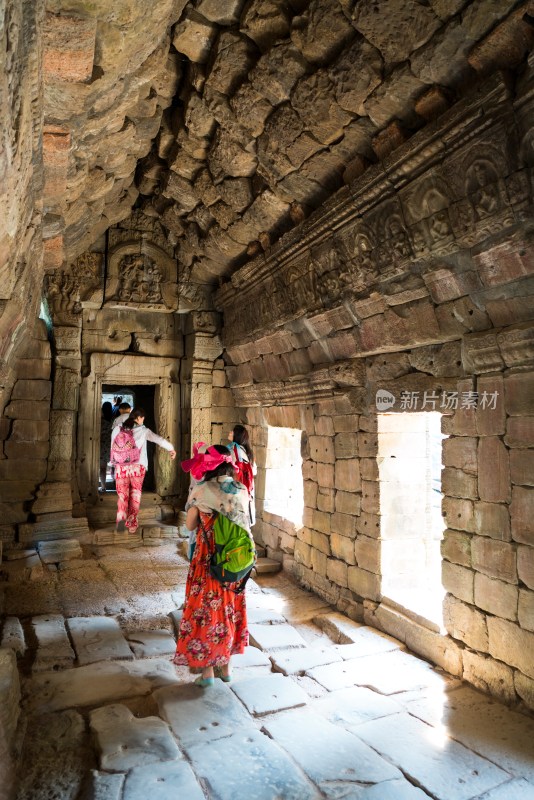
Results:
[13, 636]
[425, 764]
[465, 623]
[522, 514]
[97, 639]
[148, 644]
[291, 662]
[164, 781]
[508, 643]
[9, 694]
[95, 684]
[125, 742]
[269, 693]
[53, 646]
[275, 637]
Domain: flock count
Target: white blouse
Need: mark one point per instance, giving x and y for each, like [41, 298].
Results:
[142, 435]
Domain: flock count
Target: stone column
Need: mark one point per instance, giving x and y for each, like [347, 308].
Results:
[203, 348]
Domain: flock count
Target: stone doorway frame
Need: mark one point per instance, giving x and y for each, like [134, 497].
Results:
[118, 368]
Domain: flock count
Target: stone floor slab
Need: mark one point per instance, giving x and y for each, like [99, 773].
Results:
[261, 615]
[252, 657]
[198, 715]
[102, 786]
[53, 645]
[350, 707]
[275, 637]
[262, 770]
[170, 781]
[149, 644]
[125, 742]
[292, 662]
[483, 725]
[387, 790]
[444, 768]
[98, 639]
[368, 642]
[340, 628]
[13, 636]
[327, 753]
[387, 673]
[96, 684]
[269, 693]
[518, 789]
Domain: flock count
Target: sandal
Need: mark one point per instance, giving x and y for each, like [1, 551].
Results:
[226, 678]
[204, 682]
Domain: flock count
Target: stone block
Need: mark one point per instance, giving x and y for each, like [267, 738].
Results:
[28, 409]
[325, 500]
[53, 646]
[347, 475]
[490, 421]
[495, 559]
[461, 452]
[525, 609]
[324, 426]
[368, 553]
[344, 524]
[522, 515]
[364, 584]
[342, 547]
[368, 444]
[22, 470]
[369, 469]
[465, 623]
[347, 503]
[456, 483]
[519, 432]
[459, 514]
[370, 497]
[368, 524]
[525, 688]
[13, 491]
[493, 470]
[522, 467]
[525, 565]
[489, 675]
[33, 368]
[519, 394]
[512, 645]
[69, 47]
[310, 494]
[322, 449]
[346, 445]
[493, 520]
[319, 562]
[458, 580]
[9, 698]
[497, 597]
[303, 553]
[26, 430]
[321, 542]
[325, 475]
[346, 423]
[337, 572]
[456, 547]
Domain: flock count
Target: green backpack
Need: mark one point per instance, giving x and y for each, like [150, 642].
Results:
[234, 555]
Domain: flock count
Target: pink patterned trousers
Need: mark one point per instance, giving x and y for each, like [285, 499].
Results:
[129, 483]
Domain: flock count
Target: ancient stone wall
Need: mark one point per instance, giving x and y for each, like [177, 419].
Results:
[412, 287]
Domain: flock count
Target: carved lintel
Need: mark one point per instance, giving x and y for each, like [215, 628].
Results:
[481, 353]
[516, 345]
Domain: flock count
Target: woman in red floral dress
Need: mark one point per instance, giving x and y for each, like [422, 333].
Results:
[214, 622]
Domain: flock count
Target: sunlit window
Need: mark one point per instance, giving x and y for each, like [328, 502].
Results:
[409, 461]
[284, 486]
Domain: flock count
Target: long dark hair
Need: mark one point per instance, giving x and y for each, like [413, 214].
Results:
[225, 468]
[241, 437]
[134, 413]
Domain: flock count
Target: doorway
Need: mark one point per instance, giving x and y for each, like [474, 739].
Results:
[138, 396]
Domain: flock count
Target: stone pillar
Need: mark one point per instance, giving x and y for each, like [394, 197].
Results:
[203, 348]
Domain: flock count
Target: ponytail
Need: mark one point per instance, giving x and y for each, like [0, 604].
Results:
[130, 422]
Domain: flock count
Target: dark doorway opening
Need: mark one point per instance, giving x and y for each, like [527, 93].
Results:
[140, 396]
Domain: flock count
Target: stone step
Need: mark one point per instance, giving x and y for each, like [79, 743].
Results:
[53, 646]
[98, 639]
[13, 636]
[266, 566]
[53, 552]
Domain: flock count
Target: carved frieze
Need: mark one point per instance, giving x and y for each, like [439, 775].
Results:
[141, 275]
[68, 291]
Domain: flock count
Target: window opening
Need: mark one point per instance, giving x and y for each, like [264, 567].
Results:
[411, 522]
[284, 486]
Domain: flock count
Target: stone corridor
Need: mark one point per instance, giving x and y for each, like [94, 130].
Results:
[319, 706]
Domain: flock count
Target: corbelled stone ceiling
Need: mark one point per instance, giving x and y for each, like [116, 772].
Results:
[230, 120]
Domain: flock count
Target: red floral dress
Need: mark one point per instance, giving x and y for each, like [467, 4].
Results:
[214, 623]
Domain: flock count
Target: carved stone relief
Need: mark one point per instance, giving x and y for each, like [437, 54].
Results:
[141, 275]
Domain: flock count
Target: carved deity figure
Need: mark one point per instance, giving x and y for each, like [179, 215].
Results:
[435, 204]
[139, 280]
[481, 185]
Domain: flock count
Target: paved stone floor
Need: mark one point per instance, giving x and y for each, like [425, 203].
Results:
[319, 706]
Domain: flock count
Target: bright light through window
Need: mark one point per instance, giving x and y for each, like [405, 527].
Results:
[284, 486]
[409, 461]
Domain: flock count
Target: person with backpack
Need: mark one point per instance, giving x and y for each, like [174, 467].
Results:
[244, 463]
[213, 627]
[129, 455]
